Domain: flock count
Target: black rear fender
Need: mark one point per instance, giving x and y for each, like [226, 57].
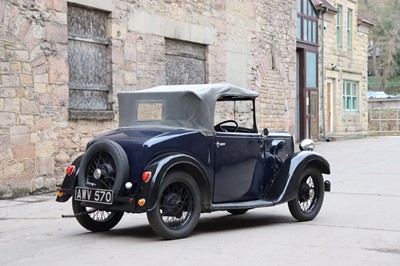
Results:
[70, 181]
[182, 162]
[287, 180]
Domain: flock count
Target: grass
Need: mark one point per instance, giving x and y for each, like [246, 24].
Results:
[392, 85]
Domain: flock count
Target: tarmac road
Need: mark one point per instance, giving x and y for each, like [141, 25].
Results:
[359, 224]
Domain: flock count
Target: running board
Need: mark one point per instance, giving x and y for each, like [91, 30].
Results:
[241, 205]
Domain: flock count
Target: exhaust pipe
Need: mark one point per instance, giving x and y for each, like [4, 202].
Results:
[77, 214]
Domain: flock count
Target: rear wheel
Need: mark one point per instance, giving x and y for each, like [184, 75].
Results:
[310, 196]
[178, 206]
[104, 166]
[95, 220]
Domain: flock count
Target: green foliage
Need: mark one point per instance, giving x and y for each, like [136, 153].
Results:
[392, 85]
[385, 36]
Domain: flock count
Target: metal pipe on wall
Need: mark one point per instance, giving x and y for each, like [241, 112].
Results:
[324, 10]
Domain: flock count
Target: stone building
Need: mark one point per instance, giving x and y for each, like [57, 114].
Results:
[343, 56]
[62, 64]
[331, 69]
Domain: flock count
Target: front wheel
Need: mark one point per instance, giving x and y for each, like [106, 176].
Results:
[95, 220]
[310, 196]
[178, 206]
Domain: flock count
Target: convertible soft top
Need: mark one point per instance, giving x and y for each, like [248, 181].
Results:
[182, 106]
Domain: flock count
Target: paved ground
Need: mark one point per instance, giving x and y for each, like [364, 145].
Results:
[359, 225]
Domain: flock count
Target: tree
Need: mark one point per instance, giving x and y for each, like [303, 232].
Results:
[384, 36]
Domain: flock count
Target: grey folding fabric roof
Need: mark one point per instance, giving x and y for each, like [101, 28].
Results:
[183, 106]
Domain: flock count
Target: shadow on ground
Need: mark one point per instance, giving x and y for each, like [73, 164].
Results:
[207, 224]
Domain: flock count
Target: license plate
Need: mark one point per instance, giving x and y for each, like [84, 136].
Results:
[103, 196]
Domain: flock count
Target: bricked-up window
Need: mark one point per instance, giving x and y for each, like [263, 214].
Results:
[185, 62]
[350, 95]
[89, 75]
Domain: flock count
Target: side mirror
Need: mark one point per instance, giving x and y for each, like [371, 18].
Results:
[265, 132]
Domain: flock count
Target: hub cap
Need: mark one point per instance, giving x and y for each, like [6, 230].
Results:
[177, 205]
[97, 173]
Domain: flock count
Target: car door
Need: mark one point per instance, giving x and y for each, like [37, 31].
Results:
[236, 158]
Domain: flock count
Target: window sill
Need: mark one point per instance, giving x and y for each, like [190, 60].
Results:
[91, 114]
[351, 111]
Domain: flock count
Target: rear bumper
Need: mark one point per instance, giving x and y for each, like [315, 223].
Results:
[125, 204]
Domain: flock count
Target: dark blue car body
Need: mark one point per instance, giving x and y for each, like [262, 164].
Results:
[230, 167]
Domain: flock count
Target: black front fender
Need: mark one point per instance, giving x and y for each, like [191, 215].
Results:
[70, 181]
[160, 167]
[287, 180]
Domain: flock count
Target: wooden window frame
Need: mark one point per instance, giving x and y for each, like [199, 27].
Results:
[350, 100]
[92, 113]
[306, 17]
[339, 26]
[349, 28]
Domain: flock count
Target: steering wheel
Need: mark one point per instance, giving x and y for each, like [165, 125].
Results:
[220, 128]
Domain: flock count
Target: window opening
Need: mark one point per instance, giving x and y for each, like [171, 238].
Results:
[350, 95]
[89, 75]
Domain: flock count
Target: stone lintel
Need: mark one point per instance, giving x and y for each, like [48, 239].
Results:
[144, 22]
[105, 5]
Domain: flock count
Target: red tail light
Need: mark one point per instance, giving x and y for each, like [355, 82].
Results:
[70, 169]
[146, 176]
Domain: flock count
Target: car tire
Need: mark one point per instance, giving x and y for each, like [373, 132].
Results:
[111, 158]
[95, 220]
[310, 196]
[237, 211]
[178, 206]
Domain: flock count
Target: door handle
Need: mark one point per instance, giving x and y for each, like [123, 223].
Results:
[220, 144]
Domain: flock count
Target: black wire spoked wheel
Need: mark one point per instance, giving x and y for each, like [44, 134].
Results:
[104, 166]
[178, 206]
[95, 220]
[310, 196]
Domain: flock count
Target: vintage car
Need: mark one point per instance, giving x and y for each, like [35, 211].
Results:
[184, 150]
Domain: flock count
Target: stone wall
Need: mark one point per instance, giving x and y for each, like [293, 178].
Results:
[377, 103]
[384, 116]
[343, 63]
[273, 64]
[249, 43]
